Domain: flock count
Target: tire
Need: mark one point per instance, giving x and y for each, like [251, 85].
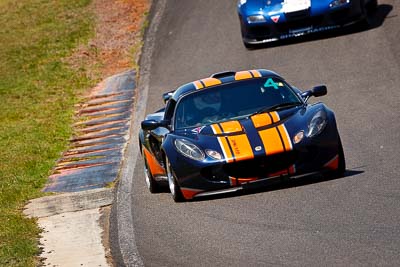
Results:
[339, 172]
[175, 189]
[248, 46]
[372, 6]
[342, 161]
[369, 9]
[364, 23]
[150, 182]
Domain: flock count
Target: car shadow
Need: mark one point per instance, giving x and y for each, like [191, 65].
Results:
[280, 184]
[375, 20]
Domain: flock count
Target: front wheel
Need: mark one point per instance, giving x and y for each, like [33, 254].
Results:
[173, 184]
[249, 46]
[339, 172]
[342, 162]
[369, 9]
[372, 6]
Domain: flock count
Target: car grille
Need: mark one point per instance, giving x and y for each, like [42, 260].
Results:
[261, 166]
[298, 15]
[298, 24]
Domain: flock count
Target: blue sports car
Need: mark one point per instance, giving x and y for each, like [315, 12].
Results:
[264, 21]
[237, 130]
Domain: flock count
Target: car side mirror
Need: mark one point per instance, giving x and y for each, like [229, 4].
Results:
[317, 91]
[167, 96]
[149, 125]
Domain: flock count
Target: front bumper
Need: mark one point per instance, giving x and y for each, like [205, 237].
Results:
[300, 25]
[208, 178]
[255, 184]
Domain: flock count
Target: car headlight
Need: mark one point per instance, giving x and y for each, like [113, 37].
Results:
[317, 124]
[255, 18]
[188, 149]
[338, 3]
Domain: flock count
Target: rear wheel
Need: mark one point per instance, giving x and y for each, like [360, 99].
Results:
[173, 184]
[150, 182]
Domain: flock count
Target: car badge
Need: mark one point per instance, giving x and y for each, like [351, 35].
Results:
[198, 129]
[258, 148]
[275, 18]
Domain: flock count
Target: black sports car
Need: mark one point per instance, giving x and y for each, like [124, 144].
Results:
[264, 21]
[235, 130]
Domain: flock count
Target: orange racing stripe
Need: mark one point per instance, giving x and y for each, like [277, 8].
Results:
[240, 143]
[241, 147]
[256, 73]
[265, 119]
[234, 147]
[216, 129]
[272, 141]
[261, 120]
[275, 140]
[242, 75]
[275, 116]
[285, 137]
[231, 127]
[198, 84]
[226, 149]
[211, 81]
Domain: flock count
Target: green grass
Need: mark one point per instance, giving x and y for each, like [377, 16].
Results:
[37, 95]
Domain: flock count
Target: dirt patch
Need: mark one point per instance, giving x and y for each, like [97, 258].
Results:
[117, 41]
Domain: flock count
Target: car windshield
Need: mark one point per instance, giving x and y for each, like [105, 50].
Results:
[234, 101]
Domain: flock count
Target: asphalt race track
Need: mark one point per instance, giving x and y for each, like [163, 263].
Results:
[354, 220]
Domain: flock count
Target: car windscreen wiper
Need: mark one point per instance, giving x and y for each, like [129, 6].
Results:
[278, 107]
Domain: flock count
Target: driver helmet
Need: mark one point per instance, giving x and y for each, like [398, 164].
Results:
[211, 100]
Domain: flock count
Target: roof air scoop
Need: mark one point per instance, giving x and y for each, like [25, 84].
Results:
[223, 74]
